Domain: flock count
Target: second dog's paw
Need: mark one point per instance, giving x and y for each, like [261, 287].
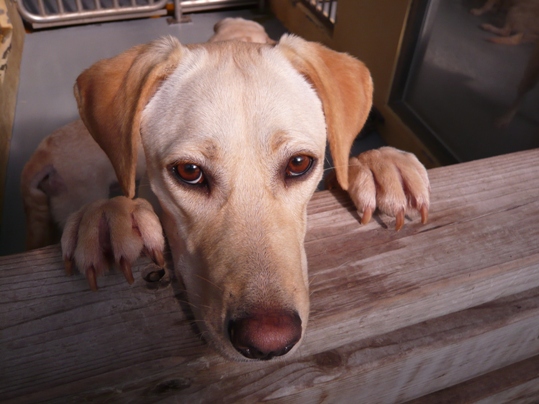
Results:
[112, 231]
[391, 180]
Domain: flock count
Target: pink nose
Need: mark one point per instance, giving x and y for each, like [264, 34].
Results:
[265, 334]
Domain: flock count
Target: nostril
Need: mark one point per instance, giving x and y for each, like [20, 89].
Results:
[264, 335]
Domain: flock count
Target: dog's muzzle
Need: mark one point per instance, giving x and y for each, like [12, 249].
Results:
[266, 334]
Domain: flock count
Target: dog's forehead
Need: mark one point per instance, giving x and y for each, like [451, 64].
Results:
[237, 91]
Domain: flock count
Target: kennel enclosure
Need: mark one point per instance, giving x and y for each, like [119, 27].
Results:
[52, 13]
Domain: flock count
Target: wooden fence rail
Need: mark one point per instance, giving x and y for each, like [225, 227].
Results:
[450, 308]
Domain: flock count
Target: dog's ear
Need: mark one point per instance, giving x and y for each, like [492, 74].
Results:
[111, 95]
[344, 86]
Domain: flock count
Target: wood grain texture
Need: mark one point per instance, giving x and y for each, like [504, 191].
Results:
[516, 383]
[394, 315]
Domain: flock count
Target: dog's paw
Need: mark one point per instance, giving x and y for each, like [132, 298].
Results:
[391, 180]
[111, 231]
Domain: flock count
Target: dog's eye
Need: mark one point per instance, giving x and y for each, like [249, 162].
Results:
[189, 173]
[298, 165]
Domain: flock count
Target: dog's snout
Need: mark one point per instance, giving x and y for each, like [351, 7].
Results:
[265, 335]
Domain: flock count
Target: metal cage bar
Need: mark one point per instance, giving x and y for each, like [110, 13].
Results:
[325, 11]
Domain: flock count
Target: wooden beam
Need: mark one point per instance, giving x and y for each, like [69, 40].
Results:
[518, 382]
[394, 315]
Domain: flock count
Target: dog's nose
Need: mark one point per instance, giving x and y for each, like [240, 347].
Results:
[264, 335]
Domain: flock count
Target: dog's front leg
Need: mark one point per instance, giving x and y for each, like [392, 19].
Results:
[111, 231]
[391, 180]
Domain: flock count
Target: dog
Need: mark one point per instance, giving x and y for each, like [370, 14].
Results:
[239, 29]
[529, 80]
[521, 21]
[232, 138]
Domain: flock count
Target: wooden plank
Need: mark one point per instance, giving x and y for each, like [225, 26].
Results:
[526, 393]
[369, 284]
[517, 383]
[396, 366]
[480, 244]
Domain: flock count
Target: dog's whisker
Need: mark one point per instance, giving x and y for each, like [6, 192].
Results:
[197, 321]
[196, 306]
[328, 162]
[210, 282]
[187, 302]
[202, 335]
[193, 305]
[312, 278]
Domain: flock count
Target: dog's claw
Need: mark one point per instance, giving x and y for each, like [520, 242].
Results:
[391, 180]
[91, 277]
[159, 259]
[126, 228]
[156, 256]
[125, 266]
[424, 210]
[68, 265]
[399, 220]
[367, 215]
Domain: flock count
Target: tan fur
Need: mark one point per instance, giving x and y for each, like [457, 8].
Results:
[67, 171]
[238, 29]
[241, 112]
[113, 119]
[345, 87]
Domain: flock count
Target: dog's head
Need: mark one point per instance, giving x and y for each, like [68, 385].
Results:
[234, 136]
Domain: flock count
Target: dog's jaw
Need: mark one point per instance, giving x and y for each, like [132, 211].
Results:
[238, 243]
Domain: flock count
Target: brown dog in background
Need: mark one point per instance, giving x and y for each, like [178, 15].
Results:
[521, 20]
[232, 137]
[529, 80]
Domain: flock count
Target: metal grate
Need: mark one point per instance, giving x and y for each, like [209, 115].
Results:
[51, 13]
[325, 10]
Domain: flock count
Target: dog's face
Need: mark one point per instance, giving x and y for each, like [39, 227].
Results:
[234, 142]
[234, 137]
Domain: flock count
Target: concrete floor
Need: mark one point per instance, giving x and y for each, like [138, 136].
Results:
[51, 62]
[463, 84]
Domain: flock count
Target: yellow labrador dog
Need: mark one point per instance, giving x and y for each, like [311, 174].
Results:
[232, 138]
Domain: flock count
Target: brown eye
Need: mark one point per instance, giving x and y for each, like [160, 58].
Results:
[189, 173]
[299, 165]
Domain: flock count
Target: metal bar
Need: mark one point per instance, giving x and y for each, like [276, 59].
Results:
[85, 14]
[101, 13]
[318, 7]
[330, 12]
[178, 10]
[106, 18]
[60, 6]
[41, 8]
